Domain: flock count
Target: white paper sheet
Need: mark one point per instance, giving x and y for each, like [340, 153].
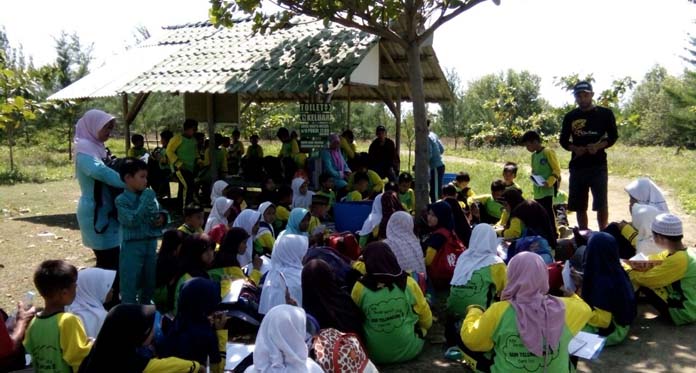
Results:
[639, 257]
[568, 282]
[586, 345]
[236, 352]
[537, 180]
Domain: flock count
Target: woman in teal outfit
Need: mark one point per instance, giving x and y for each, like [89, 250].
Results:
[96, 216]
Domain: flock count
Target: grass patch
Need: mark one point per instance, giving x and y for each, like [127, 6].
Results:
[42, 163]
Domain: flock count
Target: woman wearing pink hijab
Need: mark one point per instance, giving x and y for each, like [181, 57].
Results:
[528, 329]
[95, 210]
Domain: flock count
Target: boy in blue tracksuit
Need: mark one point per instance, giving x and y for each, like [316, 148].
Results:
[141, 223]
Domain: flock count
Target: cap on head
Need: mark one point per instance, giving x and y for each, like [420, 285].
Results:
[668, 225]
[582, 86]
[380, 129]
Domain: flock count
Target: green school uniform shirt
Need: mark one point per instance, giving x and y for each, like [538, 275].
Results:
[57, 343]
[496, 329]
[545, 164]
[408, 200]
[183, 152]
[485, 284]
[391, 319]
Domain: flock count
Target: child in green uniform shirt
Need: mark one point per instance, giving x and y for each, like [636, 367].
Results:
[360, 184]
[327, 185]
[607, 289]
[528, 330]
[509, 175]
[193, 220]
[137, 149]
[544, 165]
[670, 286]
[55, 339]
[397, 316]
[235, 153]
[406, 194]
[479, 277]
[489, 207]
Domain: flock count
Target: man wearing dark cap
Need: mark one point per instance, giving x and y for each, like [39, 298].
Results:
[587, 131]
[383, 157]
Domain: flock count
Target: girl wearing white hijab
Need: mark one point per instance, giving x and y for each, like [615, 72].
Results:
[644, 191]
[265, 238]
[280, 344]
[219, 214]
[93, 287]
[480, 273]
[249, 221]
[374, 218]
[404, 243]
[285, 275]
[300, 199]
[218, 190]
[642, 218]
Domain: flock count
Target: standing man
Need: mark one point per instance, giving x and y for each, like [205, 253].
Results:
[437, 167]
[182, 153]
[383, 153]
[587, 131]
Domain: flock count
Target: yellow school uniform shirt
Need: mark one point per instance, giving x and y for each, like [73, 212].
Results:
[353, 196]
[673, 268]
[282, 213]
[171, 365]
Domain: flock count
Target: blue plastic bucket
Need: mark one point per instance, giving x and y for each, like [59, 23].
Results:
[448, 178]
[350, 216]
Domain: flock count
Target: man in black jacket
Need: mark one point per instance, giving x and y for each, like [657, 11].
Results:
[383, 157]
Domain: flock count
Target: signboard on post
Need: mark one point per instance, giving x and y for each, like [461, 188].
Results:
[315, 125]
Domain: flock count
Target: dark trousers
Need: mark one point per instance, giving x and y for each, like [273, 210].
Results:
[657, 302]
[109, 259]
[436, 177]
[547, 204]
[186, 187]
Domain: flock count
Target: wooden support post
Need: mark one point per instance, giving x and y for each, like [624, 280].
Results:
[124, 101]
[348, 110]
[398, 129]
[211, 136]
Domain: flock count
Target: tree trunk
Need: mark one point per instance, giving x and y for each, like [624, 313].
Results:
[70, 143]
[422, 174]
[10, 139]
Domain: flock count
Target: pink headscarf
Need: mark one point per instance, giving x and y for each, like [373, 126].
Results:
[86, 133]
[540, 317]
[336, 153]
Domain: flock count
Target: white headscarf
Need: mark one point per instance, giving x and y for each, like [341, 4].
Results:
[374, 218]
[87, 132]
[217, 213]
[246, 220]
[280, 343]
[642, 217]
[300, 200]
[482, 252]
[285, 273]
[264, 229]
[93, 284]
[217, 190]
[404, 243]
[646, 192]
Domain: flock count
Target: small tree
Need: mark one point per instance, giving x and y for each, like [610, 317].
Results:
[408, 23]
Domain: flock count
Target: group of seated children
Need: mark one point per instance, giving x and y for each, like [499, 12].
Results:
[499, 313]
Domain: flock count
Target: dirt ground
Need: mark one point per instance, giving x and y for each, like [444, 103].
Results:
[38, 223]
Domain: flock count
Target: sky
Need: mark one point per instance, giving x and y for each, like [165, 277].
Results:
[608, 38]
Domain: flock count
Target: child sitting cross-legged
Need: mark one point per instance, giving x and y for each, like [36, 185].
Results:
[55, 339]
[141, 224]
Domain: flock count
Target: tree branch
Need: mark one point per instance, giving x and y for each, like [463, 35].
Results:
[444, 19]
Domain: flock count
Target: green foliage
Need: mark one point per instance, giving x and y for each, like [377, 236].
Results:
[497, 109]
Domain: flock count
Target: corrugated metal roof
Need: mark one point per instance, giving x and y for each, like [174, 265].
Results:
[109, 79]
[285, 65]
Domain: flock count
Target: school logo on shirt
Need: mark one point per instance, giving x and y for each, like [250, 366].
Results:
[517, 355]
[543, 161]
[474, 286]
[388, 315]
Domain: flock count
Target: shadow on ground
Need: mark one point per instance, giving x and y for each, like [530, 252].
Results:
[68, 221]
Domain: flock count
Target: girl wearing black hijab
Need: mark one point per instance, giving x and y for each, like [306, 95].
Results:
[527, 218]
[323, 298]
[123, 341]
[443, 247]
[397, 316]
